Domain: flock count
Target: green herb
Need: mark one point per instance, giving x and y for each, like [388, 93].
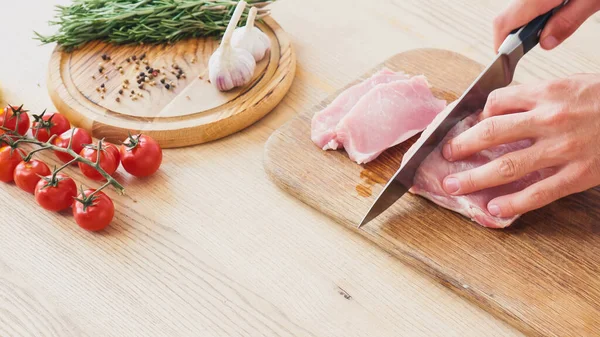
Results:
[142, 21]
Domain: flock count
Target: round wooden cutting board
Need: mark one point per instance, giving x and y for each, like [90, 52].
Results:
[191, 112]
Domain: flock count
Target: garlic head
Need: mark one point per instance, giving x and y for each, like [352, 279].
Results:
[230, 67]
[251, 38]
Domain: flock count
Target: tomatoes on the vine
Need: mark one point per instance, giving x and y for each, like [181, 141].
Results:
[15, 118]
[141, 155]
[55, 193]
[107, 162]
[112, 148]
[95, 213]
[9, 159]
[28, 174]
[80, 139]
[45, 126]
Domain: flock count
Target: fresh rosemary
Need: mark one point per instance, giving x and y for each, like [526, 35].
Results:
[142, 21]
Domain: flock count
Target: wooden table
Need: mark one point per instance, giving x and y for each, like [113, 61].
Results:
[178, 261]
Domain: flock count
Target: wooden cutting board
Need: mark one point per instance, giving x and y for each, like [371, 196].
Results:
[541, 275]
[192, 112]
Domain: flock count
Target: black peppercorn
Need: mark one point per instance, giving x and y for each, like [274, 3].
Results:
[167, 86]
[134, 57]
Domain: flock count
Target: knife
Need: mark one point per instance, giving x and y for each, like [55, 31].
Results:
[497, 75]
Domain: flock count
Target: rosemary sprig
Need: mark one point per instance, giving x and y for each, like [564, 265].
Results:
[142, 21]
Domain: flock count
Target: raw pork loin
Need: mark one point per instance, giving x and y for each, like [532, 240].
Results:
[324, 122]
[433, 170]
[387, 115]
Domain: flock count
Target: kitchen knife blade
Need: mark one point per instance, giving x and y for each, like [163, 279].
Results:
[497, 75]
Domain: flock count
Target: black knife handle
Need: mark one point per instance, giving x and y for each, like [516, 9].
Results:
[529, 35]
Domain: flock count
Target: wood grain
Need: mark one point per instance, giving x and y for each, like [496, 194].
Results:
[210, 242]
[190, 113]
[540, 275]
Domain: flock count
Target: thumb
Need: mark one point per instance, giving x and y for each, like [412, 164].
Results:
[566, 21]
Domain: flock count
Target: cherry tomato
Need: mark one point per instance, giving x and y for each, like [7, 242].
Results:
[141, 155]
[55, 194]
[15, 118]
[49, 125]
[96, 215]
[112, 148]
[9, 159]
[27, 174]
[107, 162]
[80, 138]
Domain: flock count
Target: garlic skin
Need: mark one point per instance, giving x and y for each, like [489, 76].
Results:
[228, 66]
[251, 38]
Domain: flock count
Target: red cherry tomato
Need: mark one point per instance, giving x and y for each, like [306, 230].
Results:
[107, 162]
[49, 125]
[9, 160]
[141, 155]
[112, 148]
[96, 215]
[27, 174]
[55, 195]
[15, 118]
[80, 138]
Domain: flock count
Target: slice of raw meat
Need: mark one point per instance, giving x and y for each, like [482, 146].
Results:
[325, 121]
[387, 115]
[433, 170]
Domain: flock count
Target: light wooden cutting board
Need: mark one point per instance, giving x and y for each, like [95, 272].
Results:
[541, 275]
[190, 113]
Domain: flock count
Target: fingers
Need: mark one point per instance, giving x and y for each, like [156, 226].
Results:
[515, 98]
[503, 170]
[566, 21]
[517, 14]
[490, 132]
[540, 194]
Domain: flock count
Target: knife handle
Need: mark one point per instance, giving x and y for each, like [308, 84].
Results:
[528, 35]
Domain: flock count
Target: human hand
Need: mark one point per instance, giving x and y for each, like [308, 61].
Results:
[560, 26]
[561, 118]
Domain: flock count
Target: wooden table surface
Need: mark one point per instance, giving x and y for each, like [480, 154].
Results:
[210, 246]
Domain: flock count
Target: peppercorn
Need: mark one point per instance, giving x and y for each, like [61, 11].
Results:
[134, 57]
[143, 56]
[128, 60]
[147, 67]
[102, 85]
[142, 74]
[162, 80]
[178, 76]
[141, 86]
[120, 91]
[118, 99]
[167, 86]
[104, 57]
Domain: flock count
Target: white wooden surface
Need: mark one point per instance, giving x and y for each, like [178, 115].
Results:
[209, 246]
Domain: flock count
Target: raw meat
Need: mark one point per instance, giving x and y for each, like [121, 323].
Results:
[325, 121]
[433, 170]
[387, 115]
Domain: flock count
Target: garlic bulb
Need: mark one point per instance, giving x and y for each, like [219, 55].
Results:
[251, 38]
[229, 66]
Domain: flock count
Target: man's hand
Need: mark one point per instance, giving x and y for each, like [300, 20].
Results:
[560, 26]
[561, 117]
